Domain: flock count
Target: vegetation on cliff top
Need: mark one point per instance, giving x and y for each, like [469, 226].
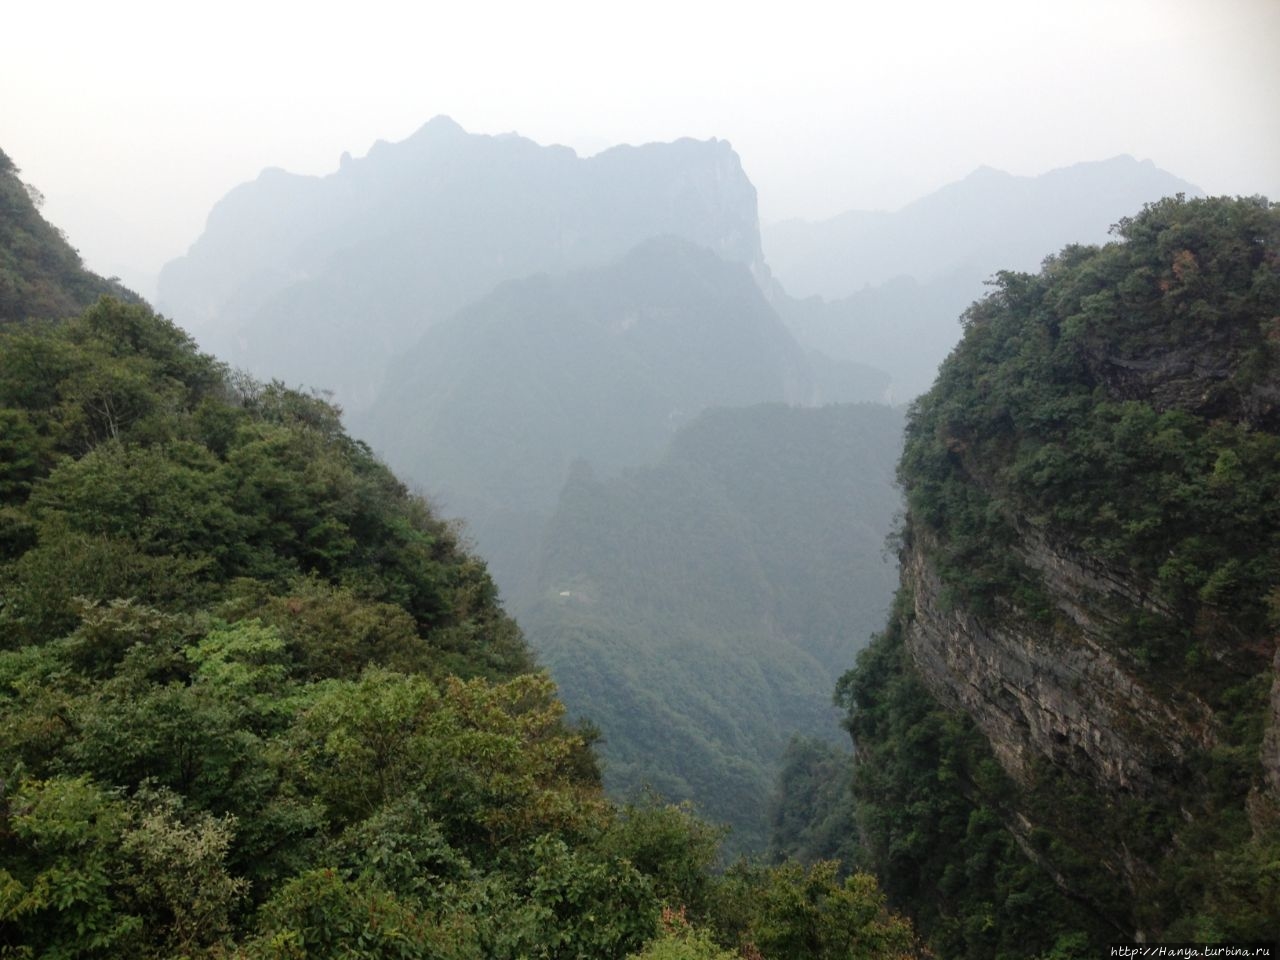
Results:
[40, 273]
[1123, 405]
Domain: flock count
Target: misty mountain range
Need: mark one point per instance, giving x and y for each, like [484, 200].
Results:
[416, 230]
[534, 339]
[989, 221]
[887, 288]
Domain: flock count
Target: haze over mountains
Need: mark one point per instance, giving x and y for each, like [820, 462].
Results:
[241, 665]
[603, 364]
[700, 610]
[405, 236]
[989, 221]
[886, 288]
[492, 312]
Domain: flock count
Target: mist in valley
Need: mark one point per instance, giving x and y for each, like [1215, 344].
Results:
[663, 368]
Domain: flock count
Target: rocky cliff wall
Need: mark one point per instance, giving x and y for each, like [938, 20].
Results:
[1053, 690]
[1091, 580]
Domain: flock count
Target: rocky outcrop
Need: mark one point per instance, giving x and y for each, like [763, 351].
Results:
[1210, 378]
[1093, 551]
[1054, 691]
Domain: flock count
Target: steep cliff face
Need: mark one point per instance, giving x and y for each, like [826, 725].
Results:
[1059, 691]
[1091, 571]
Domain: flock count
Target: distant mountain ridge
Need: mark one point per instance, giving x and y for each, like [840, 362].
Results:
[324, 279]
[602, 364]
[887, 289]
[990, 220]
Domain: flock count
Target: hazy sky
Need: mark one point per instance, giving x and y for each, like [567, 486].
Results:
[134, 117]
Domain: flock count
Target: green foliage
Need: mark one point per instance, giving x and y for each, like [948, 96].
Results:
[929, 802]
[1075, 399]
[143, 471]
[61, 837]
[319, 915]
[40, 274]
[493, 759]
[255, 701]
[670, 846]
[794, 911]
[680, 940]
[811, 811]
[1118, 406]
[89, 873]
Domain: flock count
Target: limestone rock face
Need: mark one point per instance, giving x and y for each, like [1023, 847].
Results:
[1060, 693]
[1201, 378]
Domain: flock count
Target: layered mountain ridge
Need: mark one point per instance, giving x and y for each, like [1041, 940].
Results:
[369, 257]
[990, 220]
[602, 364]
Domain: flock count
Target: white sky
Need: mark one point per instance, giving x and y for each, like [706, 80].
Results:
[134, 117]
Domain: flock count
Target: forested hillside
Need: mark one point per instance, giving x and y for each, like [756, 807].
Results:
[40, 273]
[1068, 732]
[256, 702]
[700, 610]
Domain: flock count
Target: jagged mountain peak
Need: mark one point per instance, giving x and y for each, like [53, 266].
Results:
[356, 263]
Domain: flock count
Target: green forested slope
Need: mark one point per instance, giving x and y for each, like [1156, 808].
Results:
[1093, 490]
[699, 611]
[40, 274]
[256, 702]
